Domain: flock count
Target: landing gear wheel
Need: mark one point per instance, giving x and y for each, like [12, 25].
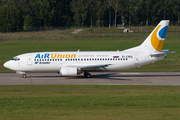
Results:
[87, 75]
[24, 75]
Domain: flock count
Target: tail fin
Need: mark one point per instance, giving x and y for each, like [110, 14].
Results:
[154, 42]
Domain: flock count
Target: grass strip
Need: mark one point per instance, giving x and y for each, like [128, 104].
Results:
[79, 102]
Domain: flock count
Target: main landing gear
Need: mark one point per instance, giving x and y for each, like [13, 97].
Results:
[87, 75]
[24, 75]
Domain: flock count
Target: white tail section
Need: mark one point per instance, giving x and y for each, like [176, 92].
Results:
[154, 42]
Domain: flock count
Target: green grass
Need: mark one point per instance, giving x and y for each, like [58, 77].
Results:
[90, 39]
[90, 102]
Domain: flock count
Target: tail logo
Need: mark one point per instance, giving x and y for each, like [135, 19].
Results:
[157, 38]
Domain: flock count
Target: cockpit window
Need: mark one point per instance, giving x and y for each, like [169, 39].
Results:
[16, 58]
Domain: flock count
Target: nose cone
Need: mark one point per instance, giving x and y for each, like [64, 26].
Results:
[7, 64]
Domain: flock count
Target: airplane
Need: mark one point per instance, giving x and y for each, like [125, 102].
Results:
[74, 63]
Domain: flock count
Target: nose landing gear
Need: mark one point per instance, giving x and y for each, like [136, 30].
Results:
[19, 72]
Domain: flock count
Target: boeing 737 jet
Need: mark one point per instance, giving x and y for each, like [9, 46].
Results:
[74, 63]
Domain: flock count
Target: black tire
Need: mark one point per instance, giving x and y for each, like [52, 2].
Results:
[24, 75]
[87, 75]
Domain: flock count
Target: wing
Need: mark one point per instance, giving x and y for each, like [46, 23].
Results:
[95, 67]
[90, 67]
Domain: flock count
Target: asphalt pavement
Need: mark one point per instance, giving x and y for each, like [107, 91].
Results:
[98, 78]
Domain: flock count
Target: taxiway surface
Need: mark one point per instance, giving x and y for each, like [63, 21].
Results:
[98, 78]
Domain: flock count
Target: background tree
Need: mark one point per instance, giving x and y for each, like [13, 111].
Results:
[10, 19]
[27, 22]
[131, 8]
[118, 6]
[101, 8]
[115, 4]
[45, 12]
[14, 14]
[63, 15]
[80, 9]
[41, 11]
[147, 6]
[92, 9]
[176, 9]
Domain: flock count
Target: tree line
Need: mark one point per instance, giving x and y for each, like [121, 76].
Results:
[18, 15]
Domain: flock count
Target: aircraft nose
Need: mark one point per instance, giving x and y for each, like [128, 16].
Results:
[7, 64]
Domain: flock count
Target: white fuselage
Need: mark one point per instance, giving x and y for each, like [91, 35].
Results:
[53, 61]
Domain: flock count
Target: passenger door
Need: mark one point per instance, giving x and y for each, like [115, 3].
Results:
[29, 60]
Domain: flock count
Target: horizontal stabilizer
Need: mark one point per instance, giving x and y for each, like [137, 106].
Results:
[163, 52]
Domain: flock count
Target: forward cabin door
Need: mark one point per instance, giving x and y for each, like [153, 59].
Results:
[136, 59]
[29, 60]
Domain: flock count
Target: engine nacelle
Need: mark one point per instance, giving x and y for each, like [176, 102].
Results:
[69, 71]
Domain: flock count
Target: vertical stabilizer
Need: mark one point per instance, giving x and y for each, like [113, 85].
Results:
[154, 42]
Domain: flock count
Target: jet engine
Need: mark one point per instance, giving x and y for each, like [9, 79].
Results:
[69, 71]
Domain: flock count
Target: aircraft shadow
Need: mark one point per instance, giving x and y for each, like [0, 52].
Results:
[109, 76]
[99, 76]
